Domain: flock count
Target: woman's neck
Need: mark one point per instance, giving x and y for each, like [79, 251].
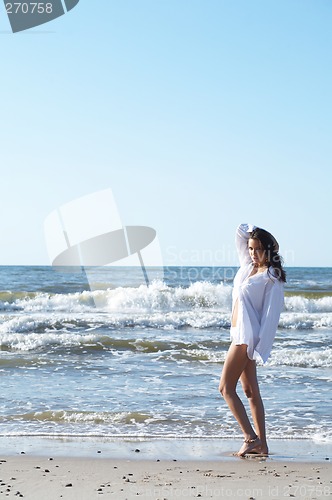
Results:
[260, 269]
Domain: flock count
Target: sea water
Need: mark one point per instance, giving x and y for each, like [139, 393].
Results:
[127, 359]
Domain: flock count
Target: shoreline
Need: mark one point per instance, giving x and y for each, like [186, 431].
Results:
[154, 448]
[36, 468]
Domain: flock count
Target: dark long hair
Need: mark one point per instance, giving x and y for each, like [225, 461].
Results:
[271, 247]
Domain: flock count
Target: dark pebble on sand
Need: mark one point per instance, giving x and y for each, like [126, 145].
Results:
[50, 458]
[69, 485]
[137, 450]
[98, 451]
[22, 452]
[46, 470]
[327, 458]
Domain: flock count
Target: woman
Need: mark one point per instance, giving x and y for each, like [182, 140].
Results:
[258, 298]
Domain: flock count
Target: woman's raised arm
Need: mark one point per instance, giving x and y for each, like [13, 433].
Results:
[241, 240]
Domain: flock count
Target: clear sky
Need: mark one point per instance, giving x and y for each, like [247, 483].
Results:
[198, 114]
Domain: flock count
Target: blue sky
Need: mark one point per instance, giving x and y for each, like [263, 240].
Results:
[198, 114]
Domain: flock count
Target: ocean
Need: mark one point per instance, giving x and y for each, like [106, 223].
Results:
[123, 359]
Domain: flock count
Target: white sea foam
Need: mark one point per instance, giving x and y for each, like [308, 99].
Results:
[299, 303]
[305, 321]
[32, 341]
[156, 297]
[201, 305]
[160, 297]
[314, 358]
[169, 348]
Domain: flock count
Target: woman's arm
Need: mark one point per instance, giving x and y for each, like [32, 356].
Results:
[241, 240]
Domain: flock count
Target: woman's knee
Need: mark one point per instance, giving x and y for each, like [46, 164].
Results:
[248, 392]
[222, 389]
[251, 392]
[226, 389]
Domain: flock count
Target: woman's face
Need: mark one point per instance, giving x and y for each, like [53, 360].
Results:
[256, 252]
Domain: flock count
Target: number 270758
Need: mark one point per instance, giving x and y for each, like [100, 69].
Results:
[29, 8]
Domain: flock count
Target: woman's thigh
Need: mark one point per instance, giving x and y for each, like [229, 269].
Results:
[235, 362]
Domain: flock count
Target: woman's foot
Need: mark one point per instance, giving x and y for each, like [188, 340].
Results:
[259, 451]
[249, 446]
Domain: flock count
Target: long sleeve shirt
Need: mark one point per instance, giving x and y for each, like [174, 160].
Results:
[259, 298]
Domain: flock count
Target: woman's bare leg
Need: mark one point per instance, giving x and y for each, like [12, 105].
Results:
[250, 387]
[235, 363]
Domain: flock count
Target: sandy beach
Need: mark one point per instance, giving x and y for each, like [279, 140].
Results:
[158, 470]
[40, 478]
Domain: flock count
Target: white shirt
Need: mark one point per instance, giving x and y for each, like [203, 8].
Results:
[260, 302]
